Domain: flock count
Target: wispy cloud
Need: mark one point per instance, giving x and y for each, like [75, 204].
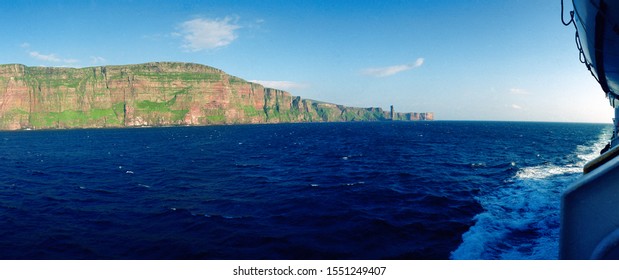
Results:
[392, 70]
[518, 91]
[71, 60]
[51, 58]
[45, 57]
[24, 45]
[283, 85]
[204, 34]
[517, 107]
[97, 60]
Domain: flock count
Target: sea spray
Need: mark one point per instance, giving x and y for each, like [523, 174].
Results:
[521, 218]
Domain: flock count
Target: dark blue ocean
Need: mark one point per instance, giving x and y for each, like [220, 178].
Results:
[377, 190]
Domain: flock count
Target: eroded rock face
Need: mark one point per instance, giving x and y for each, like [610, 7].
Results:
[155, 94]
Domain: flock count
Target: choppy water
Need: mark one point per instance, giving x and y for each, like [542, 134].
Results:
[384, 190]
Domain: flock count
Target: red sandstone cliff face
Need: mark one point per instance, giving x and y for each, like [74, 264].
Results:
[153, 94]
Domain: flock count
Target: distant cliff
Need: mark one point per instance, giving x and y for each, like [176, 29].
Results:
[156, 94]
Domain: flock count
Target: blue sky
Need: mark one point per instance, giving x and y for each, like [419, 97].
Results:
[463, 60]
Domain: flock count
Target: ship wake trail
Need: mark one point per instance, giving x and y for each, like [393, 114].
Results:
[521, 218]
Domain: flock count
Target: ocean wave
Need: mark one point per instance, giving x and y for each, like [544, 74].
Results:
[546, 171]
[210, 198]
[521, 218]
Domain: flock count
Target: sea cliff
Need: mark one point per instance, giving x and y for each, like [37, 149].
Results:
[156, 94]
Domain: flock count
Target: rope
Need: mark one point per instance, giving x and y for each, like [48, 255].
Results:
[583, 58]
[571, 16]
[581, 52]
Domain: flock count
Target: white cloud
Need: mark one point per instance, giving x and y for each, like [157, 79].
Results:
[25, 45]
[97, 60]
[203, 33]
[283, 85]
[70, 60]
[45, 57]
[392, 70]
[518, 91]
[52, 58]
[517, 107]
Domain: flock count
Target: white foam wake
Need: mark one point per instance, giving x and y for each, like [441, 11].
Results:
[521, 219]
